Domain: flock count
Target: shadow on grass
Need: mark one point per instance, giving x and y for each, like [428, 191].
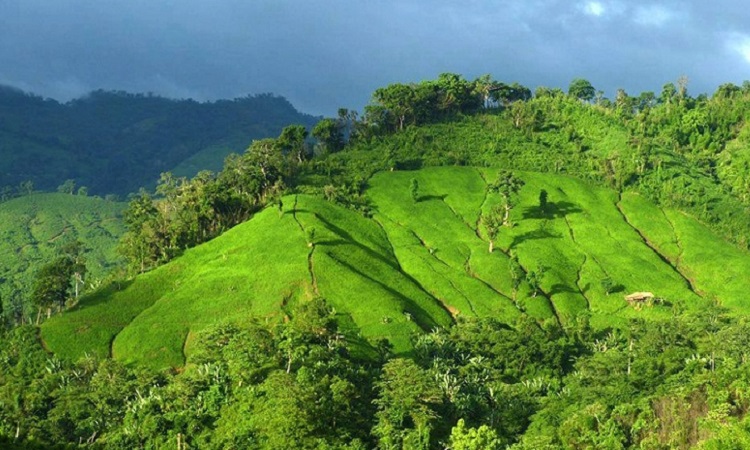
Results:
[424, 198]
[560, 288]
[101, 295]
[349, 239]
[553, 210]
[617, 289]
[421, 317]
[533, 235]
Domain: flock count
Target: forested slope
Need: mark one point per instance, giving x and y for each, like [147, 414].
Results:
[116, 142]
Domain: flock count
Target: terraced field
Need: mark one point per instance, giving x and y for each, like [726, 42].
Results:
[417, 265]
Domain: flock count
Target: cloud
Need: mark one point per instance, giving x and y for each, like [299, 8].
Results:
[739, 44]
[653, 15]
[593, 8]
[325, 55]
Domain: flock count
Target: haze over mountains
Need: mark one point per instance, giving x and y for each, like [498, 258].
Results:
[117, 142]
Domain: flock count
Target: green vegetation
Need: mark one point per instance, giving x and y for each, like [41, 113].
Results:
[139, 137]
[339, 293]
[33, 231]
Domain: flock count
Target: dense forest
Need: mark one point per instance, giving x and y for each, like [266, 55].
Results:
[673, 379]
[112, 142]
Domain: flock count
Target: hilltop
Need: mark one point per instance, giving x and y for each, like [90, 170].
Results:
[114, 142]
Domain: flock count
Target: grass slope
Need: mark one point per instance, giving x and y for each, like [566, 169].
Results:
[580, 239]
[713, 267]
[257, 269]
[414, 265]
[32, 227]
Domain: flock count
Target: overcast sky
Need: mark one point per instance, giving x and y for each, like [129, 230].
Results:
[325, 54]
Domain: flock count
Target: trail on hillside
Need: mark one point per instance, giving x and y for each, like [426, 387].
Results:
[310, 263]
[406, 300]
[653, 248]
[545, 295]
[676, 241]
[467, 267]
[439, 301]
[583, 263]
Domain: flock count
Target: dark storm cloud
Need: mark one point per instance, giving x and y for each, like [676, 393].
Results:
[326, 54]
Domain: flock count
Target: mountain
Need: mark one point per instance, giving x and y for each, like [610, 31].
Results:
[115, 142]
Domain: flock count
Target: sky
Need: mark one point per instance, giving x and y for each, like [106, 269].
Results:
[327, 54]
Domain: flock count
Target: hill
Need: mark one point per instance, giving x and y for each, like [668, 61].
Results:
[33, 227]
[417, 265]
[116, 142]
[277, 298]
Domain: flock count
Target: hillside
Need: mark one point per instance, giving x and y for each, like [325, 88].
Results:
[416, 265]
[465, 265]
[33, 227]
[116, 142]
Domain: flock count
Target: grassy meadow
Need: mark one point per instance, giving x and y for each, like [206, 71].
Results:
[416, 265]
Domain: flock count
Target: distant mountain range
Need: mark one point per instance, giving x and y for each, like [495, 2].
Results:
[115, 142]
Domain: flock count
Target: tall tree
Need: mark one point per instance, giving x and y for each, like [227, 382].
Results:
[508, 186]
[55, 280]
[330, 135]
[581, 89]
[492, 223]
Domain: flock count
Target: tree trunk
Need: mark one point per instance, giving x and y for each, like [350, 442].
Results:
[506, 214]
[492, 246]
[630, 357]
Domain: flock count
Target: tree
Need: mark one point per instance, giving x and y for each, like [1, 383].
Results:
[330, 136]
[482, 438]
[516, 273]
[141, 245]
[397, 103]
[534, 278]
[508, 186]
[581, 89]
[310, 236]
[55, 279]
[407, 406]
[68, 187]
[668, 93]
[25, 188]
[492, 223]
[414, 190]
[291, 142]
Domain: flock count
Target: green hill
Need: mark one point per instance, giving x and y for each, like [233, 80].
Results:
[414, 266]
[116, 142]
[33, 227]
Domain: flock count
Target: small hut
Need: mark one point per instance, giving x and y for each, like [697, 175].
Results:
[638, 299]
